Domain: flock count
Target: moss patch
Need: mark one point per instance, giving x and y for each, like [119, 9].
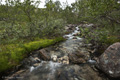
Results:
[12, 54]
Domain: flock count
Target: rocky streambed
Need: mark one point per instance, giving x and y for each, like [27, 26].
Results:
[68, 60]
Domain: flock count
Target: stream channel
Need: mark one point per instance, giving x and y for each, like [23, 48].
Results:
[69, 60]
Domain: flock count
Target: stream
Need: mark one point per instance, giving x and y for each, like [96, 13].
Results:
[69, 60]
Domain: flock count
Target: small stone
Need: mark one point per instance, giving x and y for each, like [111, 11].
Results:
[65, 62]
[37, 64]
[37, 59]
[43, 54]
[54, 58]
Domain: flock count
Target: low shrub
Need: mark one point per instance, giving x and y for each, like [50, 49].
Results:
[100, 37]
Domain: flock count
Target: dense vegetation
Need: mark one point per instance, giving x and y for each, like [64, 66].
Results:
[104, 14]
[25, 27]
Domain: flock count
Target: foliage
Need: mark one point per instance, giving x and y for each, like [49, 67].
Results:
[23, 20]
[101, 38]
[104, 14]
[10, 33]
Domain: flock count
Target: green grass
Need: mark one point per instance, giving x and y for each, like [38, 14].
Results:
[12, 54]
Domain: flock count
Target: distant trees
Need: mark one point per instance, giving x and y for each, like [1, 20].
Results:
[104, 14]
[24, 20]
[27, 20]
[91, 10]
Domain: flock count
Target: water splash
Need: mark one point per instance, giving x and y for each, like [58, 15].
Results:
[71, 35]
[53, 66]
[91, 61]
[32, 68]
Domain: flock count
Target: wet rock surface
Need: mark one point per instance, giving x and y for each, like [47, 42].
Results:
[79, 57]
[63, 72]
[109, 61]
[56, 62]
[43, 54]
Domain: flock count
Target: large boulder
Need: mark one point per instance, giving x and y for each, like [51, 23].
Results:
[109, 61]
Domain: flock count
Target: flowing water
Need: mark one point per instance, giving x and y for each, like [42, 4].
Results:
[48, 68]
[60, 67]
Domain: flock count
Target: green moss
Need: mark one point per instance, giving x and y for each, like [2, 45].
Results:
[4, 64]
[12, 54]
